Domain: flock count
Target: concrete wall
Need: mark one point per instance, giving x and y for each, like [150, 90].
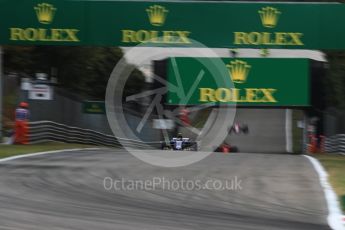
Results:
[67, 109]
[147, 133]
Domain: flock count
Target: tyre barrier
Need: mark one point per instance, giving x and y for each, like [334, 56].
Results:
[335, 144]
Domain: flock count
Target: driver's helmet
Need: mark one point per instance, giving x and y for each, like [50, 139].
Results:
[179, 136]
[24, 104]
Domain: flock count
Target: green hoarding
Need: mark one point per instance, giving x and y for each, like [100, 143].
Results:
[245, 81]
[215, 24]
[93, 107]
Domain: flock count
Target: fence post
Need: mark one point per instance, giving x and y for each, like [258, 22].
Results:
[322, 143]
[1, 96]
[305, 134]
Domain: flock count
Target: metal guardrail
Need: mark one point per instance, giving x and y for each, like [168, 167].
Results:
[42, 131]
[335, 144]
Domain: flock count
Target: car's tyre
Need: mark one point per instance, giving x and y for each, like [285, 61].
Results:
[164, 146]
[194, 147]
[234, 149]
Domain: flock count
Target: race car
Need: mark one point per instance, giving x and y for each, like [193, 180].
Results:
[180, 143]
[238, 128]
[225, 148]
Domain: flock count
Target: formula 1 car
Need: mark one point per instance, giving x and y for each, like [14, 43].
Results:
[225, 148]
[238, 128]
[179, 143]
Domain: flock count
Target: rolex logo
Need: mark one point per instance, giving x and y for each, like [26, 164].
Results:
[45, 13]
[157, 14]
[269, 16]
[238, 71]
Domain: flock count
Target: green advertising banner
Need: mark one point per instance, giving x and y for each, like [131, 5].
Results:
[215, 24]
[245, 81]
[94, 107]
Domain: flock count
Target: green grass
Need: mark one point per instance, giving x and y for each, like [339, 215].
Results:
[12, 150]
[335, 167]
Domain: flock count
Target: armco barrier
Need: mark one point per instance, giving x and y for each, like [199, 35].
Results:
[42, 131]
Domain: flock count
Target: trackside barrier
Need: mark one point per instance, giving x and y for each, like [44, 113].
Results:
[42, 131]
[335, 144]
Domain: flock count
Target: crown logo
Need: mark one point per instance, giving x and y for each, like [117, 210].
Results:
[45, 13]
[238, 71]
[157, 14]
[269, 16]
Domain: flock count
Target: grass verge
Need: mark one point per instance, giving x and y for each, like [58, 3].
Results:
[335, 167]
[12, 150]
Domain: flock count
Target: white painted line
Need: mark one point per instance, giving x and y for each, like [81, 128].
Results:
[288, 130]
[43, 153]
[334, 212]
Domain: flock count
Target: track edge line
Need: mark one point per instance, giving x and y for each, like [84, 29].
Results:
[334, 218]
[43, 153]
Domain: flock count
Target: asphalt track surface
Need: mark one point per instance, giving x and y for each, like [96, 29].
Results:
[66, 191]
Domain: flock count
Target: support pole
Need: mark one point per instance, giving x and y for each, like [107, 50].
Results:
[1, 94]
